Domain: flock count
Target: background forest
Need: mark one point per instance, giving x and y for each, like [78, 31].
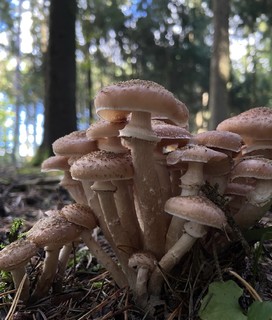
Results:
[54, 56]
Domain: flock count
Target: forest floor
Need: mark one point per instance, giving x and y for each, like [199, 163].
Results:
[88, 291]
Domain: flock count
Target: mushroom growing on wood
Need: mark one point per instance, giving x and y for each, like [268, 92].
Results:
[13, 258]
[142, 99]
[199, 213]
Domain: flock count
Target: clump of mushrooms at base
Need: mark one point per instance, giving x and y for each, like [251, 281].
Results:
[137, 175]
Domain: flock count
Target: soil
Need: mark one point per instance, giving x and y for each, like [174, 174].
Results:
[88, 292]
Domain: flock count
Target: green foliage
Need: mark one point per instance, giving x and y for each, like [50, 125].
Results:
[14, 232]
[221, 302]
[260, 310]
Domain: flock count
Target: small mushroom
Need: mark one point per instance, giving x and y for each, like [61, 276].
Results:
[13, 258]
[143, 263]
[51, 233]
[199, 213]
[259, 198]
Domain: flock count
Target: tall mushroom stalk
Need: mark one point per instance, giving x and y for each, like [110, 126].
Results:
[141, 99]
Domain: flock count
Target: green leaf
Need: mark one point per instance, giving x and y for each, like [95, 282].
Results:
[221, 302]
[260, 310]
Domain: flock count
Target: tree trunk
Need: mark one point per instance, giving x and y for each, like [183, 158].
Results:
[220, 64]
[60, 83]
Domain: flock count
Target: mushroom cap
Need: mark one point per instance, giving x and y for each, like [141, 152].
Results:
[53, 230]
[255, 122]
[103, 129]
[215, 162]
[197, 209]
[251, 167]
[55, 163]
[170, 134]
[223, 140]
[17, 254]
[103, 166]
[115, 102]
[79, 214]
[75, 143]
[144, 260]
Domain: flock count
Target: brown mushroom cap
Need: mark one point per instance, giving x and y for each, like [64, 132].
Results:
[79, 214]
[17, 254]
[103, 166]
[197, 209]
[142, 260]
[255, 123]
[102, 129]
[74, 143]
[115, 102]
[215, 163]
[53, 230]
[258, 168]
[55, 163]
[223, 140]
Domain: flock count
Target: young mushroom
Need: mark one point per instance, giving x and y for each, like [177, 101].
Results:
[51, 233]
[14, 258]
[143, 263]
[199, 214]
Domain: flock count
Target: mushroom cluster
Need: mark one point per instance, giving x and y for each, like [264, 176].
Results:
[137, 174]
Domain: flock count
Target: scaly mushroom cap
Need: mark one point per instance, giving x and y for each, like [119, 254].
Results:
[55, 163]
[197, 209]
[255, 123]
[53, 230]
[103, 166]
[17, 254]
[115, 102]
[102, 129]
[170, 134]
[215, 163]
[257, 168]
[223, 140]
[142, 260]
[74, 143]
[79, 214]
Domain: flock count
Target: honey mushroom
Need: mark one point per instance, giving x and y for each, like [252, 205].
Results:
[142, 99]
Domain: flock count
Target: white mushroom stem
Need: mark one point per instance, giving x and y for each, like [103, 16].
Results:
[127, 213]
[49, 271]
[105, 190]
[174, 255]
[191, 182]
[148, 193]
[116, 272]
[18, 275]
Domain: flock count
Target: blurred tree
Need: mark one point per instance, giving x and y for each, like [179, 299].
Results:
[220, 64]
[60, 107]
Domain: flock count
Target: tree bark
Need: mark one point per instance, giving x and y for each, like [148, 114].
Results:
[60, 101]
[220, 64]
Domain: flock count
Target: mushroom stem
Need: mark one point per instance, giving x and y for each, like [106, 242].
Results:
[18, 276]
[116, 272]
[127, 213]
[48, 273]
[191, 182]
[174, 255]
[148, 193]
